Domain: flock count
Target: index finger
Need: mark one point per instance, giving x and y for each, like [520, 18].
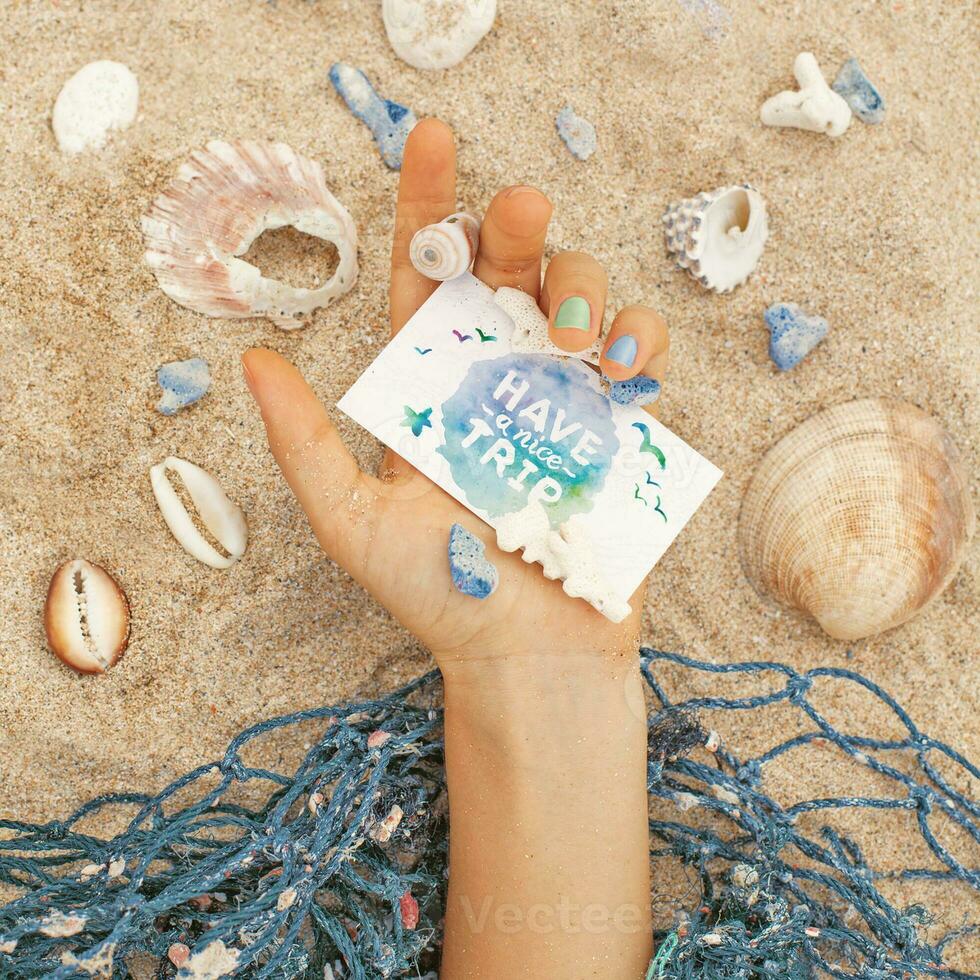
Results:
[426, 194]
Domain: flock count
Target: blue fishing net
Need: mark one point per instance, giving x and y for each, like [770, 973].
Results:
[336, 867]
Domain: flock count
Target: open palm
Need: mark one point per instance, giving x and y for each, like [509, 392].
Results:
[390, 532]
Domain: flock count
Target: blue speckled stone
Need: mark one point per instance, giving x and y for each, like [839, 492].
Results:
[578, 133]
[389, 122]
[793, 334]
[637, 391]
[183, 383]
[855, 88]
[473, 574]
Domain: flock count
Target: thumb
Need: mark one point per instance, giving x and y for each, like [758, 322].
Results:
[338, 498]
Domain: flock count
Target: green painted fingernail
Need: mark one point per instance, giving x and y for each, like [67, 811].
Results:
[574, 314]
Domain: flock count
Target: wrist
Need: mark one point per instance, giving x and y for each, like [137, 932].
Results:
[542, 709]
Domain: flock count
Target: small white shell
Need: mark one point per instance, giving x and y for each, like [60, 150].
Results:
[718, 236]
[816, 106]
[223, 519]
[219, 203]
[860, 517]
[86, 617]
[530, 334]
[433, 34]
[97, 99]
[446, 250]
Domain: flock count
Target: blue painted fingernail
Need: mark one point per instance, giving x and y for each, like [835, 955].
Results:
[623, 351]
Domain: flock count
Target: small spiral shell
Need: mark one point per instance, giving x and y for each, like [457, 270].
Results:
[447, 249]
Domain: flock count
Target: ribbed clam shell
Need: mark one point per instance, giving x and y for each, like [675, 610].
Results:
[447, 249]
[860, 517]
[222, 199]
[718, 236]
[86, 617]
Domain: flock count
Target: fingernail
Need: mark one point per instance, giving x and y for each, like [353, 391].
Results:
[623, 351]
[574, 314]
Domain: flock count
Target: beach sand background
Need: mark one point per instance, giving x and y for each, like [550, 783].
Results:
[874, 231]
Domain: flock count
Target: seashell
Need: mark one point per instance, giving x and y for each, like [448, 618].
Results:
[97, 99]
[859, 517]
[183, 383]
[223, 519]
[578, 133]
[389, 122]
[718, 236]
[856, 89]
[434, 34]
[86, 617]
[218, 204]
[472, 572]
[792, 334]
[816, 106]
[530, 334]
[447, 249]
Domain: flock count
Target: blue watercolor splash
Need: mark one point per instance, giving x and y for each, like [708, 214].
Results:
[578, 133]
[565, 384]
[473, 573]
[389, 122]
[183, 383]
[793, 334]
[855, 88]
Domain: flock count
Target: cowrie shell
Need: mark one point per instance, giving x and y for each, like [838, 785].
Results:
[86, 617]
[218, 514]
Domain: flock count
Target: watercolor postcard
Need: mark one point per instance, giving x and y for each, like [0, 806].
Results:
[513, 434]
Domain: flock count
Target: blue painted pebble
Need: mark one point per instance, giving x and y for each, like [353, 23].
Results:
[473, 574]
[637, 391]
[578, 133]
[855, 88]
[793, 334]
[183, 383]
[389, 122]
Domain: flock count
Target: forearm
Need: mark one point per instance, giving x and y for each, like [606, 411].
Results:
[549, 867]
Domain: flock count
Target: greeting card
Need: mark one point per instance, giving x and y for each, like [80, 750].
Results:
[530, 443]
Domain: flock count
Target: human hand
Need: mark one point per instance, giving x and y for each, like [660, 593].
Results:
[390, 532]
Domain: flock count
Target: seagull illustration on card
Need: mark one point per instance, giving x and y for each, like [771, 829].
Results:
[530, 442]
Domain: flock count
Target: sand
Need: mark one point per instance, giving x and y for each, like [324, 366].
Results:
[874, 231]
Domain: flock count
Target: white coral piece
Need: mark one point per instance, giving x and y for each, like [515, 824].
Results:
[219, 203]
[815, 107]
[565, 553]
[718, 236]
[530, 334]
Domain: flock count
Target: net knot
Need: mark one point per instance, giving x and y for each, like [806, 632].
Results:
[797, 686]
[923, 798]
[749, 773]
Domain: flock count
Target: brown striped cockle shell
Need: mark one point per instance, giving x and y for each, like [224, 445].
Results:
[86, 617]
[221, 200]
[859, 517]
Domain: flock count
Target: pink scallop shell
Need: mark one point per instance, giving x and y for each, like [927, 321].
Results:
[221, 200]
